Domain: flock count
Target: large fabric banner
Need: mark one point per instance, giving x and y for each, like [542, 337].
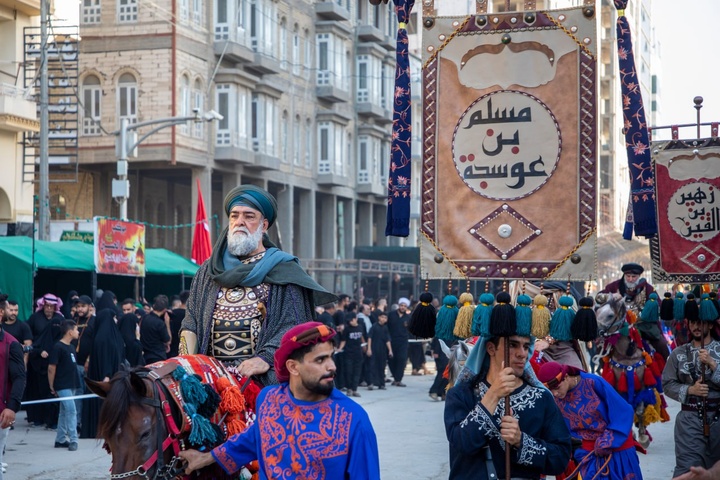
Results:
[687, 188]
[509, 177]
[119, 247]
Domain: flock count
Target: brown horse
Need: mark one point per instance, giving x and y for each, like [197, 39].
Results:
[143, 423]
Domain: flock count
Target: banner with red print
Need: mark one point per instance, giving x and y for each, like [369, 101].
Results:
[119, 247]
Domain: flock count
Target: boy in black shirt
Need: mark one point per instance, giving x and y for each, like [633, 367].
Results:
[63, 379]
[353, 338]
[379, 349]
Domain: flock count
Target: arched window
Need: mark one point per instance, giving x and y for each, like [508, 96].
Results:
[127, 97]
[91, 97]
[284, 137]
[197, 101]
[184, 101]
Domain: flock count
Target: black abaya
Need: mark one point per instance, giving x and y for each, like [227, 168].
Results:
[133, 348]
[38, 387]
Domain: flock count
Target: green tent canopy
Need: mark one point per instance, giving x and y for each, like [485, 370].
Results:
[16, 273]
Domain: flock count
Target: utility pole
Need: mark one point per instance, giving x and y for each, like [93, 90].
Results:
[127, 143]
[44, 168]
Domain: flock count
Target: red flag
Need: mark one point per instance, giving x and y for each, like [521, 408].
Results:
[201, 246]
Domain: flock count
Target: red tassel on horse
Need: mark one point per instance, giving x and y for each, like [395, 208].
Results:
[622, 385]
[636, 382]
[609, 376]
[659, 361]
[648, 378]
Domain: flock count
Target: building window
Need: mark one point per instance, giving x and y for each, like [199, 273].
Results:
[184, 102]
[363, 160]
[92, 95]
[331, 148]
[222, 100]
[222, 28]
[263, 114]
[296, 51]
[308, 144]
[307, 57]
[197, 100]
[384, 162]
[91, 11]
[184, 10]
[283, 45]
[296, 141]
[363, 93]
[127, 11]
[127, 97]
[263, 26]
[197, 12]
[284, 137]
[331, 64]
[386, 87]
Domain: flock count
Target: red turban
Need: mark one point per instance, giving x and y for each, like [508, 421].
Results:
[552, 373]
[299, 336]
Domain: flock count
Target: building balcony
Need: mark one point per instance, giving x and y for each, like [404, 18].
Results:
[373, 110]
[330, 10]
[230, 147]
[16, 113]
[332, 94]
[333, 180]
[264, 64]
[376, 188]
[234, 51]
[28, 7]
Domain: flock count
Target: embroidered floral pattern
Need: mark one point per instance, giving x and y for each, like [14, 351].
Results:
[398, 213]
[529, 449]
[642, 195]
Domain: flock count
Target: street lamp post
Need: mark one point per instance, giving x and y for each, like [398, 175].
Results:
[121, 185]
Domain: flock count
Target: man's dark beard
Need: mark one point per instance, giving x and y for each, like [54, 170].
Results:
[318, 387]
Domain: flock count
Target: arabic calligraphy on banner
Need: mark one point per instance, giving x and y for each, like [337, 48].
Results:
[119, 247]
[492, 149]
[687, 188]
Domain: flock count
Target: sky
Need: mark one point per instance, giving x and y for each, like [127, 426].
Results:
[688, 57]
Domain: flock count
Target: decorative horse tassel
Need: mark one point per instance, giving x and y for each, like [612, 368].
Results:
[679, 307]
[202, 432]
[585, 327]
[463, 323]
[234, 425]
[523, 315]
[208, 408]
[540, 317]
[423, 317]
[446, 319]
[562, 320]
[650, 310]
[231, 399]
[666, 307]
[692, 311]
[481, 315]
[502, 320]
[192, 389]
[707, 309]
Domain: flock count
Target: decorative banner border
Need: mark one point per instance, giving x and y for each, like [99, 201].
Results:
[558, 238]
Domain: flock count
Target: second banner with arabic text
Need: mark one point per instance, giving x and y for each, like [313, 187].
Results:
[119, 247]
[509, 187]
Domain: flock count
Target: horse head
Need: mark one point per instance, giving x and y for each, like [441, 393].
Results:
[610, 311]
[457, 354]
[132, 426]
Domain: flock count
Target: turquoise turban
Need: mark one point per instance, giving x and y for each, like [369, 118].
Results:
[253, 197]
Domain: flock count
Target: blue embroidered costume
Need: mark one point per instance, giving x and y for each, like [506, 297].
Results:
[599, 417]
[293, 439]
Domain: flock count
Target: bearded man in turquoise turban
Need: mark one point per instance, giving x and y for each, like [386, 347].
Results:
[248, 293]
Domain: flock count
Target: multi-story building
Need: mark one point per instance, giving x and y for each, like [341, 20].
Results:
[305, 89]
[17, 115]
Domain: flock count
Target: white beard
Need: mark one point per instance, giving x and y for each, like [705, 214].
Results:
[243, 245]
[631, 285]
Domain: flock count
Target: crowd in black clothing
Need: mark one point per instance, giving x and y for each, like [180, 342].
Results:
[112, 335]
[373, 341]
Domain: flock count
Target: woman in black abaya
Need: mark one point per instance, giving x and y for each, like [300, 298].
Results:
[106, 354]
[133, 348]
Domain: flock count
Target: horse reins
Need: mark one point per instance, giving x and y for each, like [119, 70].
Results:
[160, 403]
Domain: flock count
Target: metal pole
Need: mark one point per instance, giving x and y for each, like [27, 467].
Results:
[122, 165]
[698, 105]
[44, 171]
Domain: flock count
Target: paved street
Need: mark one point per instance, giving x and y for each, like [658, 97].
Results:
[408, 424]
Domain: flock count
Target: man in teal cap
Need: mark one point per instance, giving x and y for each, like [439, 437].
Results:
[248, 293]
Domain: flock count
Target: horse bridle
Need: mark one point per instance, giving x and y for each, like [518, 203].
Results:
[159, 401]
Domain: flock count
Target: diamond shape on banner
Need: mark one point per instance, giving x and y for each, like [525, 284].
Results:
[700, 258]
[505, 231]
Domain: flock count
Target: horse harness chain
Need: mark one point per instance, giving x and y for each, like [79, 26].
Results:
[160, 402]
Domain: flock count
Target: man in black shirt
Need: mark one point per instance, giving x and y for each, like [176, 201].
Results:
[63, 380]
[353, 338]
[399, 336]
[176, 317]
[155, 331]
[20, 330]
